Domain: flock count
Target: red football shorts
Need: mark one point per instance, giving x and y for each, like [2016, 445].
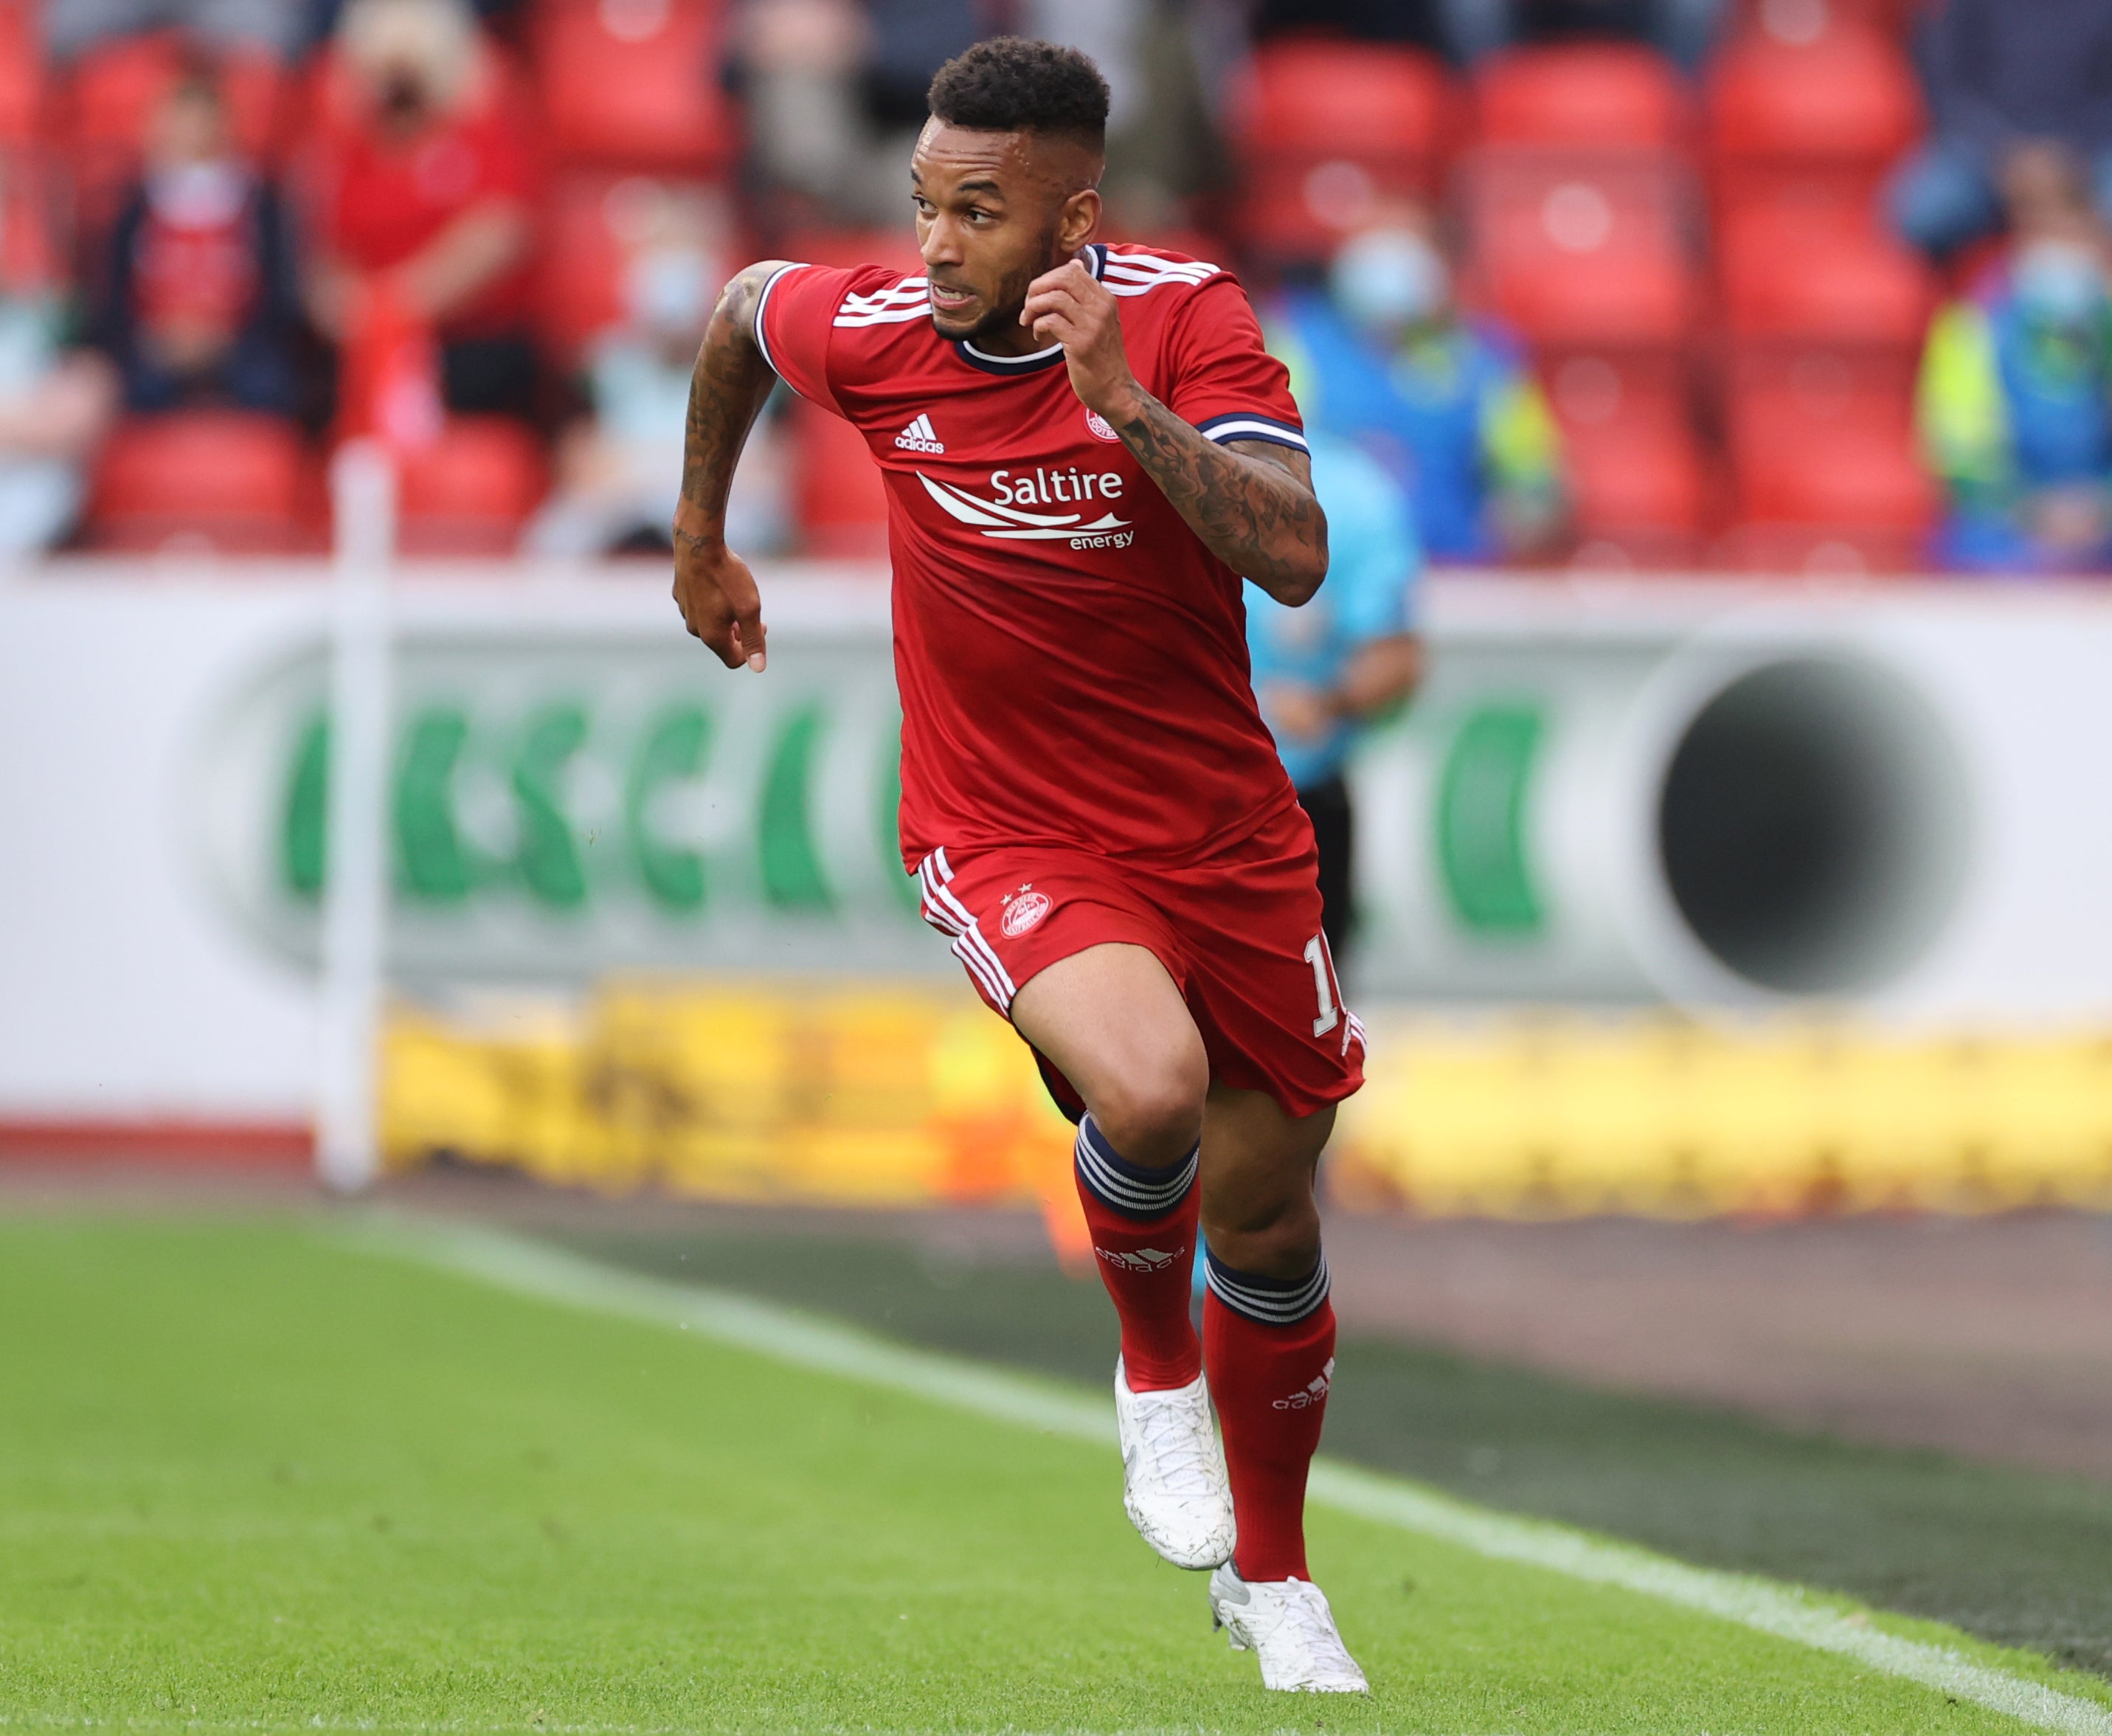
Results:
[1239, 934]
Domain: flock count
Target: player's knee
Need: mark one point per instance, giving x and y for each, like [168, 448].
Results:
[1151, 1107]
[1270, 1238]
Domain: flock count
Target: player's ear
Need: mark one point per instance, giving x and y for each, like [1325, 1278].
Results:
[1079, 220]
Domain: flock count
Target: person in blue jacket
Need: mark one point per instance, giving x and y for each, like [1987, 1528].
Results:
[1383, 356]
[2015, 400]
[1324, 671]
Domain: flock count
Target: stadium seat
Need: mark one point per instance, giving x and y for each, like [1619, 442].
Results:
[841, 502]
[112, 93]
[1832, 109]
[470, 492]
[1639, 487]
[633, 84]
[1326, 132]
[1581, 95]
[1790, 274]
[220, 479]
[582, 275]
[116, 86]
[22, 74]
[1821, 454]
[29, 255]
[1581, 249]
[1636, 477]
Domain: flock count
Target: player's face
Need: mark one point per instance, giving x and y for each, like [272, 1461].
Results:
[994, 212]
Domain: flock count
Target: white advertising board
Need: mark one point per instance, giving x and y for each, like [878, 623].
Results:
[1719, 795]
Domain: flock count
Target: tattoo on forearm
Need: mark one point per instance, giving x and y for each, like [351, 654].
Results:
[727, 390]
[1256, 513]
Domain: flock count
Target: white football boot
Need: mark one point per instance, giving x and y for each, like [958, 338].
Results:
[1174, 1486]
[1287, 1623]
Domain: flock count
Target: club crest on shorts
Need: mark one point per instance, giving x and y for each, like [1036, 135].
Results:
[1100, 428]
[1022, 910]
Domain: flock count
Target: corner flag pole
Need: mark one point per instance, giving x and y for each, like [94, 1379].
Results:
[355, 911]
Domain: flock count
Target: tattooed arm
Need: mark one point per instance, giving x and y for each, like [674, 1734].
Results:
[714, 587]
[1251, 501]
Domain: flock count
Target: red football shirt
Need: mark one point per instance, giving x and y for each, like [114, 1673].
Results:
[1071, 660]
[378, 203]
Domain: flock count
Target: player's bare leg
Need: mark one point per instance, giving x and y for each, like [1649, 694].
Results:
[1114, 1022]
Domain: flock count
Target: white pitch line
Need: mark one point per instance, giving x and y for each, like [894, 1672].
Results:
[806, 1340]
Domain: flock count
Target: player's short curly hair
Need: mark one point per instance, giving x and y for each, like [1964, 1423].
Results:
[1017, 85]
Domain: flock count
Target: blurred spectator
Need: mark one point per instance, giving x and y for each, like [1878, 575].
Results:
[2002, 73]
[1446, 403]
[198, 304]
[1468, 30]
[278, 26]
[1323, 672]
[835, 92]
[55, 403]
[620, 470]
[423, 183]
[2016, 388]
[1683, 29]
[1163, 60]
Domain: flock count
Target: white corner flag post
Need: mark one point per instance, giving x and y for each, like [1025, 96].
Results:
[355, 911]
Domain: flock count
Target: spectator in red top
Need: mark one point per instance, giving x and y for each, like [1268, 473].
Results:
[199, 302]
[424, 180]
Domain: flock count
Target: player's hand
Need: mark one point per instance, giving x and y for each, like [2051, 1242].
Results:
[1296, 709]
[1071, 306]
[719, 601]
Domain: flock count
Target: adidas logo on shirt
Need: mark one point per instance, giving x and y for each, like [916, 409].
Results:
[920, 436]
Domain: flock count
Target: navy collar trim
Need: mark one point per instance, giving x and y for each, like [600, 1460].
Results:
[1096, 257]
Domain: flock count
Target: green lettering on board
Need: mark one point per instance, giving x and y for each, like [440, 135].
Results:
[671, 751]
[791, 865]
[433, 861]
[1481, 797]
[304, 820]
[549, 858]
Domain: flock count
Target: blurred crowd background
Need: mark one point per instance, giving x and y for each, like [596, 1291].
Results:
[1781, 286]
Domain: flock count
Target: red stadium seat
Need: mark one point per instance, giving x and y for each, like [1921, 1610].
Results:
[1635, 469]
[1824, 460]
[22, 74]
[117, 85]
[220, 479]
[1640, 476]
[1834, 108]
[633, 84]
[1588, 95]
[112, 95]
[470, 492]
[582, 274]
[593, 220]
[841, 502]
[1582, 249]
[1326, 132]
[1789, 274]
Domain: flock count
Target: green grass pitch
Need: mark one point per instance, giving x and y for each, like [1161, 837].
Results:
[254, 1477]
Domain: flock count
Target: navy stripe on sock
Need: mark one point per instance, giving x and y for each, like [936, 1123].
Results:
[1125, 1187]
[1268, 1301]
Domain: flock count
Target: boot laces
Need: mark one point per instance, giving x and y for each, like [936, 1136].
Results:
[1306, 1614]
[1179, 1453]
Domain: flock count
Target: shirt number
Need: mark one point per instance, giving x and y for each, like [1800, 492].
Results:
[1323, 985]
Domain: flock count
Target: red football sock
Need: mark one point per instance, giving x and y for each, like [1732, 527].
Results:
[1143, 1222]
[1269, 1377]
